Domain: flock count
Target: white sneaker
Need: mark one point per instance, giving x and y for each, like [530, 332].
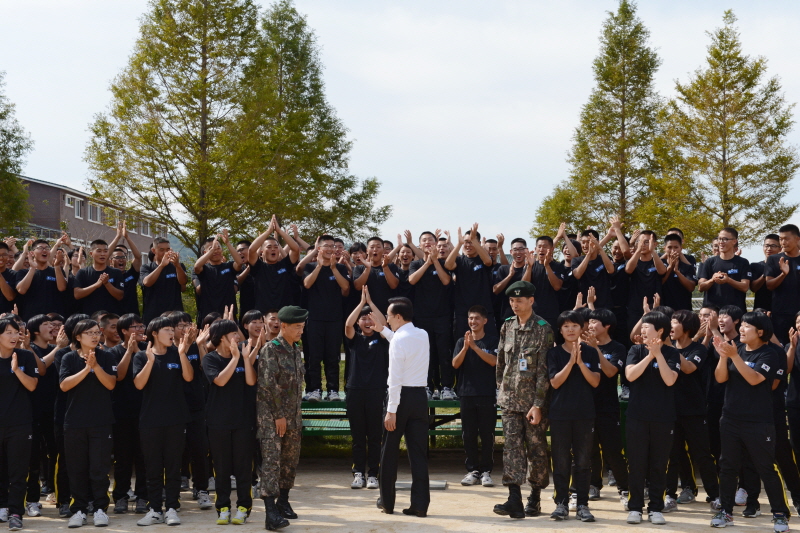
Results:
[4, 514]
[172, 518]
[436, 394]
[716, 505]
[315, 396]
[233, 483]
[670, 504]
[623, 499]
[447, 394]
[358, 481]
[472, 478]
[634, 517]
[573, 502]
[32, 508]
[100, 518]
[212, 484]
[224, 517]
[372, 482]
[741, 497]
[77, 520]
[486, 480]
[240, 517]
[429, 393]
[203, 500]
[151, 518]
[333, 396]
[657, 518]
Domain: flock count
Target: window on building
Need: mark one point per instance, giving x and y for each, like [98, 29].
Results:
[110, 216]
[79, 208]
[133, 225]
[145, 228]
[69, 201]
[94, 213]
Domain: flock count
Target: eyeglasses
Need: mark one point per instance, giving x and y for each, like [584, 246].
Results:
[41, 248]
[725, 239]
[92, 333]
[138, 327]
[518, 249]
[772, 246]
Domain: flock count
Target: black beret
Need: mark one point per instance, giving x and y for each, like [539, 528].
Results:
[291, 314]
[521, 288]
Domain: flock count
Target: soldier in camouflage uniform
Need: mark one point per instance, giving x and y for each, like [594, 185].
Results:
[523, 382]
[279, 418]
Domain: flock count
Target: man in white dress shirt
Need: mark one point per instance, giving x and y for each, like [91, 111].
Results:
[406, 409]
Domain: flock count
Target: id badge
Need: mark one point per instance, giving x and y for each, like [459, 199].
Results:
[523, 365]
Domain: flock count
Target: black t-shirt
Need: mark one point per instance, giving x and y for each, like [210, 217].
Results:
[620, 285]
[568, 292]
[71, 305]
[432, 297]
[675, 295]
[6, 306]
[369, 362]
[745, 402]
[779, 393]
[379, 289]
[574, 399]
[325, 295]
[722, 294]
[217, 287]
[89, 403]
[43, 398]
[786, 296]
[690, 396]
[504, 309]
[42, 296]
[272, 284]
[476, 377]
[545, 301]
[763, 296]
[61, 396]
[473, 284]
[130, 301]
[793, 387]
[15, 399]
[595, 276]
[643, 281]
[715, 391]
[651, 399]
[227, 406]
[404, 288]
[606, 399]
[127, 399]
[163, 402]
[100, 299]
[164, 294]
[195, 391]
[247, 294]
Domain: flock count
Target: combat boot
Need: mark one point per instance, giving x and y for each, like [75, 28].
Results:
[283, 505]
[274, 519]
[534, 506]
[513, 507]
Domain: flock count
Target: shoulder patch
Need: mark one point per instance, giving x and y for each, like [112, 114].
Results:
[509, 318]
[276, 342]
[542, 322]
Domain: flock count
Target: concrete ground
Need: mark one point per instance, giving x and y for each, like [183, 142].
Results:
[325, 502]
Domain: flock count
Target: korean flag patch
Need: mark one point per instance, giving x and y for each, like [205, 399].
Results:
[780, 372]
[765, 366]
[697, 358]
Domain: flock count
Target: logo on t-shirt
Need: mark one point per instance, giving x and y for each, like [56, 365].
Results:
[129, 278]
[765, 366]
[21, 368]
[173, 366]
[225, 271]
[381, 274]
[192, 357]
[598, 269]
[332, 278]
[113, 369]
[477, 267]
[655, 365]
[50, 278]
[281, 271]
[434, 272]
[168, 276]
[36, 370]
[697, 358]
[780, 372]
[750, 364]
[588, 365]
[111, 280]
[239, 369]
[733, 271]
[373, 342]
[608, 356]
[651, 269]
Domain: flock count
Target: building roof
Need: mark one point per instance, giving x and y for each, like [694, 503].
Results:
[56, 185]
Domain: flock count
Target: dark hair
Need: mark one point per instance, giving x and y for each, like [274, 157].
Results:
[3, 246]
[679, 231]
[426, 233]
[159, 240]
[273, 311]
[97, 315]
[245, 242]
[251, 316]
[219, 329]
[374, 238]
[71, 323]
[712, 307]
[6, 323]
[390, 243]
[366, 310]
[156, 325]
[659, 321]
[357, 247]
[402, 306]
[83, 326]
[478, 309]
[97, 242]
[688, 320]
[547, 238]
[108, 317]
[605, 317]
[55, 316]
[210, 318]
[179, 316]
[732, 231]
[759, 321]
[326, 237]
[39, 241]
[575, 243]
[490, 241]
[127, 321]
[572, 236]
[570, 316]
[650, 232]
[590, 232]
[584, 312]
[34, 324]
[667, 310]
[477, 235]
[772, 237]
[673, 237]
[789, 228]
[733, 311]
[519, 239]
[340, 241]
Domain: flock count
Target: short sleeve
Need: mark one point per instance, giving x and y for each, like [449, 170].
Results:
[211, 366]
[633, 355]
[459, 346]
[65, 370]
[772, 268]
[590, 358]
[107, 364]
[138, 362]
[674, 360]
[28, 361]
[553, 367]
[145, 271]
[702, 272]
[80, 279]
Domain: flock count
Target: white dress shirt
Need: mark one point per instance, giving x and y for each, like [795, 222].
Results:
[409, 354]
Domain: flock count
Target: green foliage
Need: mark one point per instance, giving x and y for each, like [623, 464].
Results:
[15, 143]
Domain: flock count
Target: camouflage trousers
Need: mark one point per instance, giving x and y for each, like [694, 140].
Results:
[279, 458]
[525, 452]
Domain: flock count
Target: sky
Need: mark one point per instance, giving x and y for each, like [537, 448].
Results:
[464, 110]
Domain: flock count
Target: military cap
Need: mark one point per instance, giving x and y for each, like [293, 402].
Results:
[291, 314]
[521, 288]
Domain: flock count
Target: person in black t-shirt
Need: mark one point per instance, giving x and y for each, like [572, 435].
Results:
[162, 280]
[652, 370]
[230, 419]
[607, 434]
[645, 270]
[548, 277]
[593, 269]
[7, 276]
[41, 287]
[217, 277]
[725, 278]
[130, 275]
[574, 372]
[783, 279]
[763, 296]
[380, 275]
[108, 327]
[366, 385]
[746, 428]
[88, 375]
[505, 275]
[474, 359]
[273, 274]
[18, 378]
[680, 279]
[160, 372]
[247, 291]
[98, 286]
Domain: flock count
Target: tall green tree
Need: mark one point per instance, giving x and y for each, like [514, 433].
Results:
[15, 143]
[611, 158]
[725, 142]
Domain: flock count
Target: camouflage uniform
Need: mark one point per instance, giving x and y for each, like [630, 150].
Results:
[519, 390]
[280, 388]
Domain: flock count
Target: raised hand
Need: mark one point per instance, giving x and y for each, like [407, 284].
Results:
[151, 356]
[656, 300]
[61, 258]
[190, 334]
[165, 260]
[408, 236]
[103, 279]
[591, 296]
[14, 362]
[91, 360]
[645, 305]
[468, 338]
[590, 339]
[62, 341]
[234, 350]
[783, 264]
[500, 238]
[579, 301]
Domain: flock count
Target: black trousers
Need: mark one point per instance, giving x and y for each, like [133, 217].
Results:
[608, 441]
[63, 494]
[33, 489]
[127, 459]
[197, 451]
[365, 413]
[571, 440]
[478, 419]
[649, 446]
[412, 422]
[324, 340]
[233, 455]
[782, 323]
[692, 432]
[162, 448]
[793, 417]
[88, 455]
[755, 442]
[784, 457]
[15, 449]
[49, 449]
[440, 338]
[713, 416]
[685, 470]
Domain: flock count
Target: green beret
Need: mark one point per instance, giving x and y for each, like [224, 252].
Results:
[521, 288]
[291, 314]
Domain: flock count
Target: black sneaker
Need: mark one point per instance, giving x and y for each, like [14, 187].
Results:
[752, 510]
[14, 522]
[583, 514]
[141, 506]
[121, 506]
[561, 513]
[64, 512]
[184, 483]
